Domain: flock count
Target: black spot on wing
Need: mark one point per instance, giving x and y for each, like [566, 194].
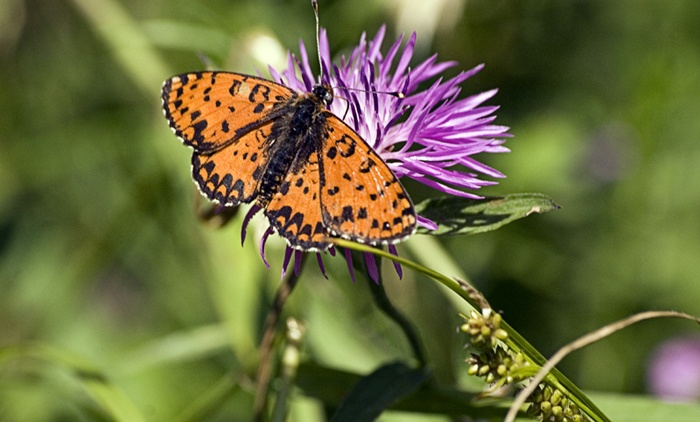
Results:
[347, 214]
[367, 165]
[346, 146]
[332, 152]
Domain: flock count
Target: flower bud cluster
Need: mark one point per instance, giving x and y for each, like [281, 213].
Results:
[549, 404]
[484, 331]
[495, 363]
[497, 366]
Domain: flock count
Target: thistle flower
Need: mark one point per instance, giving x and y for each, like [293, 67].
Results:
[423, 135]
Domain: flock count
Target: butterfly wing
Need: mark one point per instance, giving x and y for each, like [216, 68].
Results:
[227, 119]
[361, 199]
[209, 110]
[231, 175]
[295, 209]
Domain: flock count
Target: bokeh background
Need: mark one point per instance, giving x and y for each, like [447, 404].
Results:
[103, 259]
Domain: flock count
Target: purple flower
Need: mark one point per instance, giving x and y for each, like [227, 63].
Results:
[425, 134]
[674, 372]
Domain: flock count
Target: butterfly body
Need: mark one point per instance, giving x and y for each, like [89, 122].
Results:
[258, 141]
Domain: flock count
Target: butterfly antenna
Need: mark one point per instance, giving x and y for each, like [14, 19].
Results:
[314, 4]
[392, 93]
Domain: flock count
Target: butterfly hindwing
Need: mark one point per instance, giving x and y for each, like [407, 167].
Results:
[295, 210]
[232, 174]
[208, 110]
[361, 198]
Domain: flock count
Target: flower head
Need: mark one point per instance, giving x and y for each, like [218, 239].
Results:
[422, 135]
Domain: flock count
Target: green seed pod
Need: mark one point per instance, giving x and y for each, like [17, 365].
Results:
[557, 411]
[502, 370]
[501, 334]
[484, 370]
[556, 397]
[545, 406]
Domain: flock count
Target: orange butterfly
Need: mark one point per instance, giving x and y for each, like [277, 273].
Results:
[255, 140]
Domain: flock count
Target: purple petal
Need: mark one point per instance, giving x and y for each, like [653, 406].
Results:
[374, 46]
[371, 266]
[297, 261]
[275, 75]
[428, 224]
[397, 266]
[325, 53]
[348, 259]
[406, 56]
[305, 67]
[287, 257]
[386, 64]
[473, 164]
[267, 234]
[253, 210]
[320, 265]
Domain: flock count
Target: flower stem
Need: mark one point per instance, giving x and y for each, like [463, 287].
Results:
[384, 304]
[514, 341]
[265, 367]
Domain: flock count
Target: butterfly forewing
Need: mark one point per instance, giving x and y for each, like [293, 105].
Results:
[208, 110]
[361, 199]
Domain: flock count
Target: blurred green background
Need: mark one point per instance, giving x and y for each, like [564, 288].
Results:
[103, 258]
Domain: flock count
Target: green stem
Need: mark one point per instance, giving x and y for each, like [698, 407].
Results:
[273, 317]
[384, 304]
[515, 341]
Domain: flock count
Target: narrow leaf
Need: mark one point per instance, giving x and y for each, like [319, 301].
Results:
[458, 215]
[377, 391]
[330, 386]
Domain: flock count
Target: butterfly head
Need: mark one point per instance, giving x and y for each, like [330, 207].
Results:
[324, 93]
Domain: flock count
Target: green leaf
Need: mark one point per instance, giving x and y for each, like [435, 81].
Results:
[331, 385]
[377, 391]
[458, 215]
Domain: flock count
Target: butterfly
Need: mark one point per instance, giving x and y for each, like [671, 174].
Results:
[258, 141]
